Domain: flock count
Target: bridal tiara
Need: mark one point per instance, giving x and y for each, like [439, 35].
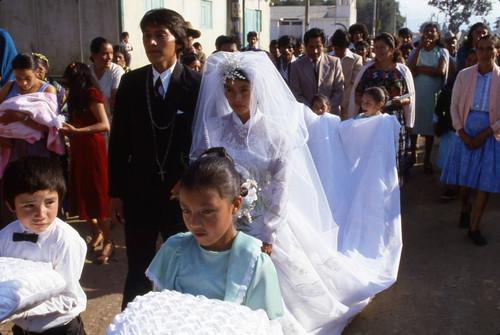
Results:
[229, 66]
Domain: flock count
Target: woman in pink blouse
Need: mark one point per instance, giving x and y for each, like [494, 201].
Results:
[474, 158]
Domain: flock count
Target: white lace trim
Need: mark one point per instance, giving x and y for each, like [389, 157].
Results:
[248, 276]
[155, 280]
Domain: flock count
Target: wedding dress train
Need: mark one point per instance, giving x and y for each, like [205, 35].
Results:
[328, 192]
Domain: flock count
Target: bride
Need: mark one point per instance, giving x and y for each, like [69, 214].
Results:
[328, 267]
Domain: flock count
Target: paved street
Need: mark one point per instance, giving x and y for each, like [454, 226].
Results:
[446, 284]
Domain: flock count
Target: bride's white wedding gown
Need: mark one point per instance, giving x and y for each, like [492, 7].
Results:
[330, 191]
[326, 275]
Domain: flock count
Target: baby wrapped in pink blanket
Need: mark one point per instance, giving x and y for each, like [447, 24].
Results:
[40, 107]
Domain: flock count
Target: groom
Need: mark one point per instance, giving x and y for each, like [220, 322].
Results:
[149, 144]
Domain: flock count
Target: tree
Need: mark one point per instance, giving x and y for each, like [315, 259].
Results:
[386, 15]
[460, 11]
[365, 13]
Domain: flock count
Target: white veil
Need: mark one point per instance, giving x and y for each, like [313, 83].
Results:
[269, 93]
[277, 130]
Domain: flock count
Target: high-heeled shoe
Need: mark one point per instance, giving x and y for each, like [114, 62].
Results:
[104, 256]
[95, 241]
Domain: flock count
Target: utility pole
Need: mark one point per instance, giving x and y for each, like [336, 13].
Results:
[236, 21]
[396, 5]
[307, 23]
[374, 28]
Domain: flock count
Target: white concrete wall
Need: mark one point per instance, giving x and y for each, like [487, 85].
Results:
[264, 34]
[133, 11]
[51, 27]
[190, 10]
[343, 11]
[345, 14]
[328, 25]
[274, 31]
[353, 13]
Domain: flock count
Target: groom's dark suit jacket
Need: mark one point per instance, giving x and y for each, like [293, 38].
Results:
[133, 170]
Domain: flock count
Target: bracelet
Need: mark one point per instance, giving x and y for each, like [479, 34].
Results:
[88, 128]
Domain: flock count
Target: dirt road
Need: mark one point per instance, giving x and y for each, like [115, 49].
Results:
[446, 284]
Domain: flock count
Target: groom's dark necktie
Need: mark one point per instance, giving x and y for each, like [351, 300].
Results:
[158, 89]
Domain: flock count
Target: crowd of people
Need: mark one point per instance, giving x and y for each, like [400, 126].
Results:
[250, 151]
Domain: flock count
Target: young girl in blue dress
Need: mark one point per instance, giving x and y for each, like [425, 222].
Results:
[213, 259]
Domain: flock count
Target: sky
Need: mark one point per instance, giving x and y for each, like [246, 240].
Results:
[418, 11]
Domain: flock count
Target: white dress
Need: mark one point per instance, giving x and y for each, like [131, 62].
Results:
[322, 286]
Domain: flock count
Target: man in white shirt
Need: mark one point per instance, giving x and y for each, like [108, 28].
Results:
[107, 73]
[129, 48]
[351, 65]
[252, 40]
[286, 45]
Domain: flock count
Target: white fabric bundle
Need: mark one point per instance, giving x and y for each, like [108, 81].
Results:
[25, 284]
[171, 312]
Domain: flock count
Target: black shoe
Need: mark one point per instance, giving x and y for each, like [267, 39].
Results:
[477, 238]
[465, 218]
[448, 194]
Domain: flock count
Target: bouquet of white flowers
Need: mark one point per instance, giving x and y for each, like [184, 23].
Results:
[244, 216]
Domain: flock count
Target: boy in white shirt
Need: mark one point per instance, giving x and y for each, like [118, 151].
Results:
[128, 47]
[32, 187]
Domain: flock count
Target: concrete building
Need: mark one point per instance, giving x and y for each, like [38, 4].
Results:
[290, 20]
[62, 30]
